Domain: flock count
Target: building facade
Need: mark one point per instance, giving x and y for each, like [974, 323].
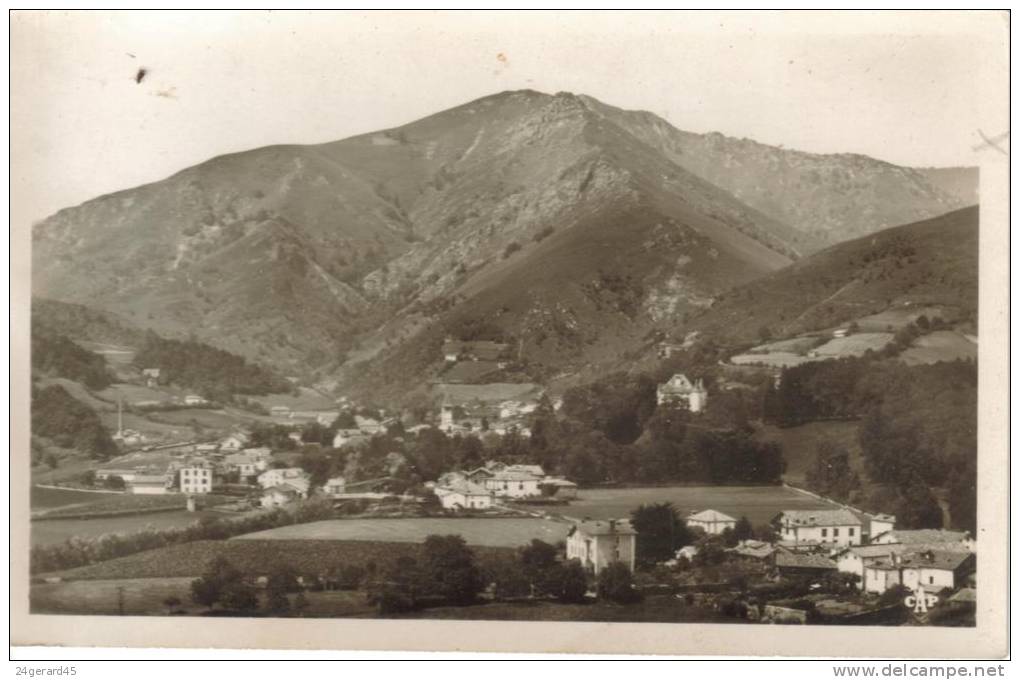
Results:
[599, 543]
[680, 392]
[835, 528]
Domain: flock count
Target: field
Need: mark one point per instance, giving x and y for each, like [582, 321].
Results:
[49, 532]
[854, 345]
[256, 557]
[495, 532]
[307, 400]
[759, 503]
[776, 359]
[139, 596]
[101, 503]
[940, 346]
[898, 317]
[41, 498]
[793, 345]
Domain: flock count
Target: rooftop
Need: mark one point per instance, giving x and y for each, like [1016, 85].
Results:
[600, 527]
[946, 560]
[926, 536]
[785, 558]
[820, 518]
[710, 516]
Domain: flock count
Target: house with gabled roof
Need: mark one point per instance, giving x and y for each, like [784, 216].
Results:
[830, 528]
[681, 392]
[599, 543]
[931, 570]
[461, 494]
[710, 521]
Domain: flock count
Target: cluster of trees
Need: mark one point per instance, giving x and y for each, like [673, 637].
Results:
[214, 373]
[447, 572]
[68, 423]
[55, 354]
[536, 572]
[918, 432]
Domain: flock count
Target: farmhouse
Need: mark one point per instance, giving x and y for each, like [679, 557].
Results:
[234, 442]
[296, 477]
[462, 494]
[151, 376]
[335, 486]
[711, 521]
[514, 483]
[831, 527]
[194, 400]
[148, 485]
[559, 488]
[679, 392]
[793, 564]
[247, 464]
[599, 543]
[474, 350]
[281, 494]
[932, 570]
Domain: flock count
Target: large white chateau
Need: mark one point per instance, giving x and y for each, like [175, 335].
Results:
[680, 392]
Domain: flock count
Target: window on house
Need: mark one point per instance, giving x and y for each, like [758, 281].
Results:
[851, 530]
[835, 533]
[825, 532]
[931, 580]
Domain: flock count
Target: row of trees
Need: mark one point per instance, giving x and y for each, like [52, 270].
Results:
[447, 573]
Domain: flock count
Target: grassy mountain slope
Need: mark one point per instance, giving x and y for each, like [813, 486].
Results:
[933, 262]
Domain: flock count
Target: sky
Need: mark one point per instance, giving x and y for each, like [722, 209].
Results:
[909, 88]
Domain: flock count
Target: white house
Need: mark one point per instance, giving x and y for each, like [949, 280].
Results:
[194, 400]
[148, 484]
[679, 392]
[599, 543]
[711, 521]
[276, 476]
[462, 494]
[335, 486]
[196, 477]
[281, 494]
[514, 484]
[835, 528]
[931, 570]
[234, 442]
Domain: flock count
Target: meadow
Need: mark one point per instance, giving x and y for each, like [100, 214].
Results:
[492, 532]
[50, 532]
[44, 498]
[257, 557]
[759, 503]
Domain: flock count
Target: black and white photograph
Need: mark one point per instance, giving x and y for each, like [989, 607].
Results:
[600, 317]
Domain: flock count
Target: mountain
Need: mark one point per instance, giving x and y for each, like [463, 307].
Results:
[560, 223]
[932, 263]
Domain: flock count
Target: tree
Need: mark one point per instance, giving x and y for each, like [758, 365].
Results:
[450, 569]
[919, 509]
[831, 474]
[510, 580]
[277, 602]
[301, 603]
[660, 532]
[239, 596]
[615, 584]
[570, 582]
[210, 588]
[114, 482]
[742, 530]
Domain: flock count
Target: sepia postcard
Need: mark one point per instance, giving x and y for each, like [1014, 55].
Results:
[580, 332]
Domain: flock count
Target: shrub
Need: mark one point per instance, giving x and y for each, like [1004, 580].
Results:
[616, 584]
[510, 249]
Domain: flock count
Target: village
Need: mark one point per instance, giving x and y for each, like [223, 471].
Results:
[831, 562]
